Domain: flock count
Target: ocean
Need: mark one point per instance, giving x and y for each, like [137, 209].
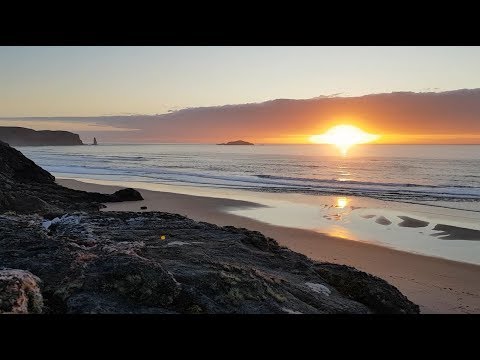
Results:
[438, 175]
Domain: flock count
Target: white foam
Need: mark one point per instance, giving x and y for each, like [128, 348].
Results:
[290, 311]
[177, 243]
[206, 165]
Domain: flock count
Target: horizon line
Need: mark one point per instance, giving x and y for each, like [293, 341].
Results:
[284, 144]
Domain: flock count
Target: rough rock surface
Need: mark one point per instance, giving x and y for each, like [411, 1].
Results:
[27, 188]
[19, 292]
[117, 262]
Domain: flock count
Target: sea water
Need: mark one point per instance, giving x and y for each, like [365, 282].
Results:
[309, 186]
[443, 175]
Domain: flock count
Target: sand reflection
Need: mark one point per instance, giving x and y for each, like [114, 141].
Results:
[341, 202]
[340, 232]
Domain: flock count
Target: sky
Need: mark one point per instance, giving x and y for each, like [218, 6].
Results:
[93, 81]
[62, 83]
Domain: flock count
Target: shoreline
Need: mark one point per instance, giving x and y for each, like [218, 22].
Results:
[364, 219]
[437, 285]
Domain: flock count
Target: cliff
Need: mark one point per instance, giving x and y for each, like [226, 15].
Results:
[18, 136]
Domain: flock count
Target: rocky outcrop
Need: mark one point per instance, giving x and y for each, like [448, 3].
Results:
[117, 262]
[18, 136]
[19, 292]
[27, 188]
[15, 167]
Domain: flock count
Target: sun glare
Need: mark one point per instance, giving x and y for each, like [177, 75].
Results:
[342, 202]
[344, 136]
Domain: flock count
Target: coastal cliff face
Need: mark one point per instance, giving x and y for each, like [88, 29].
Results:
[59, 254]
[18, 136]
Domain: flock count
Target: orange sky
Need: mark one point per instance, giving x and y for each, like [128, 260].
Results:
[449, 117]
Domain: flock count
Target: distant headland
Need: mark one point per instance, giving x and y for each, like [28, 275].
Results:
[237, 142]
[18, 136]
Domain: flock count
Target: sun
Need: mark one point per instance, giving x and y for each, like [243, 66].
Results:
[344, 136]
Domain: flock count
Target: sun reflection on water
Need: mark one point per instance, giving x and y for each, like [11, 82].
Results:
[342, 202]
[341, 232]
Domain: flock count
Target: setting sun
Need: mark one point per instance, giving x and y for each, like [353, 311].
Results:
[343, 136]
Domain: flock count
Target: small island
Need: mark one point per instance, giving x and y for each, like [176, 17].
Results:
[237, 142]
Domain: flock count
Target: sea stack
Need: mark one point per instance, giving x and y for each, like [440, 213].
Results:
[95, 141]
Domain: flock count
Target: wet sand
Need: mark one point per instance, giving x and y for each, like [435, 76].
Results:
[437, 285]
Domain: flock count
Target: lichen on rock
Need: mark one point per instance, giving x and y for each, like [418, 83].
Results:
[19, 292]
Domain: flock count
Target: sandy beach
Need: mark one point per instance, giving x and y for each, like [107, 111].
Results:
[437, 285]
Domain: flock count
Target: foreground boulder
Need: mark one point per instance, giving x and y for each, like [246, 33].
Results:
[26, 188]
[128, 194]
[120, 262]
[19, 292]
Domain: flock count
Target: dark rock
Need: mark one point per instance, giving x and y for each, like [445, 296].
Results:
[26, 188]
[24, 203]
[370, 290]
[52, 215]
[141, 280]
[18, 136]
[128, 194]
[143, 208]
[116, 262]
[16, 167]
[19, 292]
[103, 303]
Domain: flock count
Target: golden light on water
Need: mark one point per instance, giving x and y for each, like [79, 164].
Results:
[344, 137]
[342, 202]
[341, 232]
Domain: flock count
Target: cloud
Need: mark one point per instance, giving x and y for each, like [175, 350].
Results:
[63, 125]
[455, 115]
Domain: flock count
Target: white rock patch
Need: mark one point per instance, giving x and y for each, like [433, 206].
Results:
[64, 220]
[290, 311]
[319, 288]
[46, 224]
[179, 243]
